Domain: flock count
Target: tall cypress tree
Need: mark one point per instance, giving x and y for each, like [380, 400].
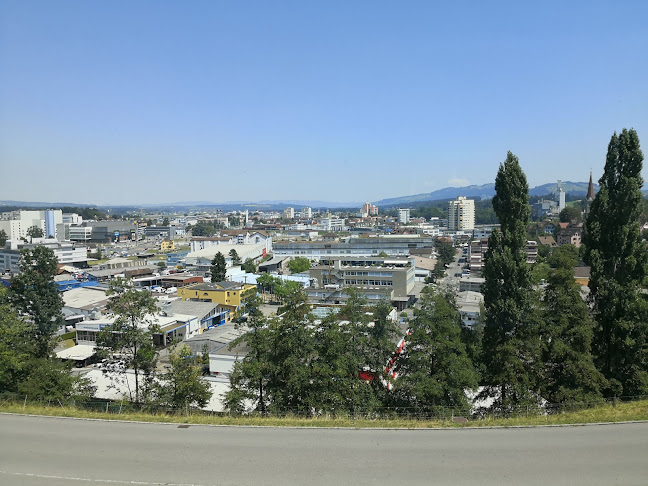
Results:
[510, 346]
[618, 260]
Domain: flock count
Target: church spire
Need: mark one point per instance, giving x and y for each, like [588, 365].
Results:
[590, 189]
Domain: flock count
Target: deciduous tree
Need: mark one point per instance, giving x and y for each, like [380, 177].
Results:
[569, 214]
[182, 386]
[34, 294]
[34, 232]
[128, 342]
[299, 265]
[24, 371]
[249, 266]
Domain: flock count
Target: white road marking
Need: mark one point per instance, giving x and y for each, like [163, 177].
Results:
[102, 481]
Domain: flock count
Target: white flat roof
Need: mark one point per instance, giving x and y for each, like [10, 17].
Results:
[77, 353]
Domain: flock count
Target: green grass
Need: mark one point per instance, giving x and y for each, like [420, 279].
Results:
[631, 411]
[572, 203]
[98, 262]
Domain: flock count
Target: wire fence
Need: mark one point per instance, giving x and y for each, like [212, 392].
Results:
[431, 412]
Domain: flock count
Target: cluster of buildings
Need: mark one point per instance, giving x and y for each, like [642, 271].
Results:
[380, 257]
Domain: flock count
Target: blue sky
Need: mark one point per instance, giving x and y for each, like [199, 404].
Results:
[157, 101]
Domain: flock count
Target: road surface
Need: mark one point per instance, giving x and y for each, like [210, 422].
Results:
[56, 452]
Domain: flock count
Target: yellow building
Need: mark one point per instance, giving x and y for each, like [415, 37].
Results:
[167, 245]
[229, 294]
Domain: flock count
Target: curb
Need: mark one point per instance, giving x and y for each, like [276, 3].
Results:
[335, 427]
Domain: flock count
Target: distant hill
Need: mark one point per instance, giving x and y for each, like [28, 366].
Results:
[36, 204]
[576, 189]
[485, 191]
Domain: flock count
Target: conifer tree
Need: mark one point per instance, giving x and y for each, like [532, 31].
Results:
[618, 260]
[218, 268]
[510, 347]
[434, 369]
[568, 373]
[248, 381]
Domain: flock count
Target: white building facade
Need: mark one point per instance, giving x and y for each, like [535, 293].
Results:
[16, 223]
[404, 215]
[461, 214]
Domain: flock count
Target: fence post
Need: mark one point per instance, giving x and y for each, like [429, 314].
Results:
[25, 402]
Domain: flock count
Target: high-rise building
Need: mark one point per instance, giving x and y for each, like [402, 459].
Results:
[16, 223]
[560, 196]
[403, 215]
[289, 213]
[306, 213]
[368, 209]
[461, 214]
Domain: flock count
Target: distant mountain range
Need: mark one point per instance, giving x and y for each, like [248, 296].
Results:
[485, 191]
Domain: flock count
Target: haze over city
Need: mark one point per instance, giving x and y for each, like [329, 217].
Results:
[149, 102]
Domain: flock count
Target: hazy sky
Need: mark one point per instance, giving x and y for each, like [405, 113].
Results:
[135, 101]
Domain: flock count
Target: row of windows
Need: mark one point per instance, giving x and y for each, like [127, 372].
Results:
[338, 252]
[385, 283]
[370, 274]
[86, 336]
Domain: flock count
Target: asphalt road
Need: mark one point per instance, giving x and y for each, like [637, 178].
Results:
[50, 451]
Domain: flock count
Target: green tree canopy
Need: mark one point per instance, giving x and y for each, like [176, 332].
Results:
[249, 266]
[569, 214]
[16, 346]
[35, 232]
[564, 256]
[35, 295]
[253, 373]
[299, 265]
[434, 369]
[181, 386]
[3, 238]
[566, 332]
[446, 251]
[618, 260]
[202, 228]
[25, 370]
[268, 282]
[510, 346]
[218, 268]
[128, 342]
[236, 259]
